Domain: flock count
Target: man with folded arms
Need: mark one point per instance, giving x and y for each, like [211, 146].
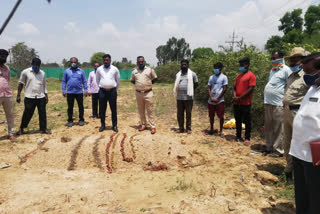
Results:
[143, 77]
[306, 127]
[35, 95]
[108, 79]
[6, 94]
[294, 92]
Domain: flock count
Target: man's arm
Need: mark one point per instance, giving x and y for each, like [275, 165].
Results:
[249, 91]
[223, 92]
[64, 83]
[45, 88]
[117, 77]
[20, 87]
[133, 79]
[195, 81]
[84, 82]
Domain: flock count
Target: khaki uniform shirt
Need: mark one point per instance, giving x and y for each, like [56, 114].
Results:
[295, 90]
[143, 78]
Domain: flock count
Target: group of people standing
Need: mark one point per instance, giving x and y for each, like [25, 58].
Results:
[292, 122]
[291, 99]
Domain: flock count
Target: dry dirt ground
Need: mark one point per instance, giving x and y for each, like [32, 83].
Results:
[79, 170]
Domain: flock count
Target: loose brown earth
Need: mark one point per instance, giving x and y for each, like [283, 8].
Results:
[67, 173]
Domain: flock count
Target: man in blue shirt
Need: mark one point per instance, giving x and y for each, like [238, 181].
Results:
[73, 82]
[217, 86]
[273, 96]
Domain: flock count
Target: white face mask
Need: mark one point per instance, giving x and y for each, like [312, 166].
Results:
[74, 65]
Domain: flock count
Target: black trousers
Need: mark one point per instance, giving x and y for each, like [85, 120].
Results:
[70, 100]
[95, 101]
[184, 106]
[242, 114]
[30, 105]
[306, 187]
[104, 97]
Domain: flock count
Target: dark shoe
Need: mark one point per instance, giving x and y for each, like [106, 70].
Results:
[153, 130]
[275, 155]
[240, 139]
[115, 129]
[81, 123]
[289, 178]
[20, 132]
[142, 128]
[265, 153]
[93, 116]
[70, 124]
[102, 128]
[46, 131]
[179, 131]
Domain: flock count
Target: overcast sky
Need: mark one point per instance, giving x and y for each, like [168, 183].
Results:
[128, 28]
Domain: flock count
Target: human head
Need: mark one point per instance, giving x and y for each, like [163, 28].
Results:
[106, 60]
[311, 67]
[36, 62]
[296, 56]
[244, 64]
[277, 55]
[184, 64]
[3, 56]
[96, 65]
[217, 68]
[140, 62]
[74, 62]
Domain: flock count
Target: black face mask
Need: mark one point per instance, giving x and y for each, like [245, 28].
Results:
[106, 65]
[2, 61]
[141, 67]
[184, 69]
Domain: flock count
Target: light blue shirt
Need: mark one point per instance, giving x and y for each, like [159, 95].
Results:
[274, 90]
[216, 83]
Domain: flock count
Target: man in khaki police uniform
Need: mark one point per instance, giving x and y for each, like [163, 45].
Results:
[143, 77]
[294, 92]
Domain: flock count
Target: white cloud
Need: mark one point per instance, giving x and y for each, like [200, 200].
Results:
[28, 28]
[71, 27]
[108, 29]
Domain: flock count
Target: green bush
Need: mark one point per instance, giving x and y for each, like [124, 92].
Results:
[260, 62]
[167, 73]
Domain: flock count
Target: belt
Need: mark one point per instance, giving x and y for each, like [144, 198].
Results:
[109, 89]
[146, 91]
[292, 107]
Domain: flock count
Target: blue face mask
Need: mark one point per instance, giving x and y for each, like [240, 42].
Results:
[36, 68]
[106, 65]
[95, 68]
[310, 80]
[216, 71]
[295, 69]
[141, 66]
[242, 69]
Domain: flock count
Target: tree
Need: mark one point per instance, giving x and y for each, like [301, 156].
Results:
[274, 43]
[291, 20]
[97, 58]
[201, 53]
[22, 56]
[124, 60]
[312, 20]
[173, 51]
[293, 36]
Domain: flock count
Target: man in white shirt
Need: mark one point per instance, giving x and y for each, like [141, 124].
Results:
[306, 126]
[108, 80]
[35, 95]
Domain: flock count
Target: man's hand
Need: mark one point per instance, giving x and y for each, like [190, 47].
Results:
[85, 94]
[236, 99]
[18, 99]
[214, 100]
[64, 94]
[47, 99]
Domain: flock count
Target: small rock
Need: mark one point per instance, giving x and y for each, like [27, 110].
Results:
[41, 140]
[272, 198]
[231, 207]
[65, 139]
[266, 177]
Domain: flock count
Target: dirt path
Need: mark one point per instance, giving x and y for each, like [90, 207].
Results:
[67, 172]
